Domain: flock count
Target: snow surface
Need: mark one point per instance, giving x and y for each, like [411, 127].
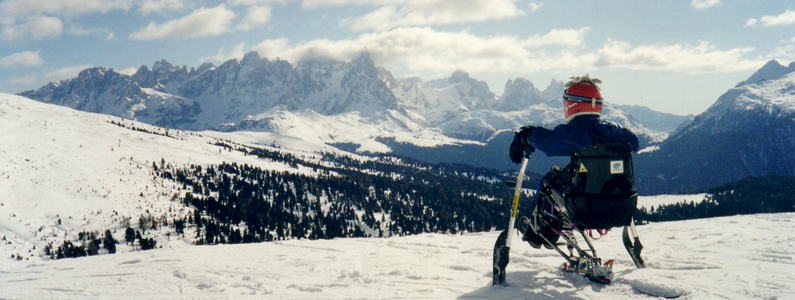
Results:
[60, 164]
[743, 257]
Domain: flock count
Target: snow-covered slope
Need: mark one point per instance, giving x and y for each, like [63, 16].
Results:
[64, 171]
[744, 257]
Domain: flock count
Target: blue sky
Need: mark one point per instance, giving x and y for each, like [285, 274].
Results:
[672, 56]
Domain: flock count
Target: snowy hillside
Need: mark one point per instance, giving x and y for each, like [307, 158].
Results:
[65, 171]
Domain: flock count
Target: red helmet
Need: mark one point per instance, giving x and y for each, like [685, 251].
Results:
[582, 98]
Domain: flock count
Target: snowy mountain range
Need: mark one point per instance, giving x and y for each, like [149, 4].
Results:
[362, 107]
[337, 99]
[749, 131]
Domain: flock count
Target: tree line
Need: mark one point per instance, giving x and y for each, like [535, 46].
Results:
[345, 197]
[751, 195]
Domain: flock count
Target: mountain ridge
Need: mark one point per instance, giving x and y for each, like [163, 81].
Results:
[219, 97]
[747, 132]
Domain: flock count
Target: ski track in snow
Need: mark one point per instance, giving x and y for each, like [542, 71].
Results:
[56, 163]
[742, 257]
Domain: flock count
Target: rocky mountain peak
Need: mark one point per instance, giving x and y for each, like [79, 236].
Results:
[770, 71]
[519, 94]
[554, 90]
[251, 58]
[458, 76]
[162, 73]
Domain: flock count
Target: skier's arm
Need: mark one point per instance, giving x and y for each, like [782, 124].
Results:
[557, 142]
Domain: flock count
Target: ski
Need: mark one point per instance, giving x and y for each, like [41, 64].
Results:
[633, 248]
[502, 247]
[501, 257]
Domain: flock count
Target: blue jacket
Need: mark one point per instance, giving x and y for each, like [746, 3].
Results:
[581, 131]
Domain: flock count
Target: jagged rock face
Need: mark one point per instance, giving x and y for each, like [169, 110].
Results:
[359, 89]
[95, 89]
[748, 132]
[106, 91]
[519, 94]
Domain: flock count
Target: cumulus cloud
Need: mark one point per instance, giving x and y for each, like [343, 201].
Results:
[21, 8]
[105, 33]
[256, 17]
[783, 53]
[432, 12]
[786, 18]
[319, 3]
[427, 50]
[535, 6]
[223, 55]
[151, 6]
[65, 73]
[37, 28]
[424, 49]
[22, 59]
[24, 80]
[39, 19]
[701, 58]
[704, 4]
[254, 2]
[128, 71]
[202, 22]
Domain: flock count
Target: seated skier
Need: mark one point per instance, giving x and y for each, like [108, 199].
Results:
[582, 106]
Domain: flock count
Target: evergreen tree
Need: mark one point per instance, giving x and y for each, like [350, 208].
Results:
[129, 235]
[109, 242]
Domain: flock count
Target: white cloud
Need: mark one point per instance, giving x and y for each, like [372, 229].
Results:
[427, 50]
[153, 6]
[320, 3]
[256, 17]
[21, 8]
[24, 80]
[202, 22]
[37, 28]
[65, 73]
[783, 53]
[23, 59]
[237, 52]
[128, 71]
[704, 4]
[433, 12]
[254, 2]
[39, 19]
[535, 6]
[423, 49]
[786, 18]
[105, 33]
[701, 58]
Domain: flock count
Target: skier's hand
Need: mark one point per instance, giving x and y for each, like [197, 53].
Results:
[520, 145]
[516, 151]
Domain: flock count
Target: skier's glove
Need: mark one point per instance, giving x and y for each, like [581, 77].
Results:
[578, 79]
[520, 145]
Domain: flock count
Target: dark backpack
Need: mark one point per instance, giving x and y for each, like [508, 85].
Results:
[599, 186]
